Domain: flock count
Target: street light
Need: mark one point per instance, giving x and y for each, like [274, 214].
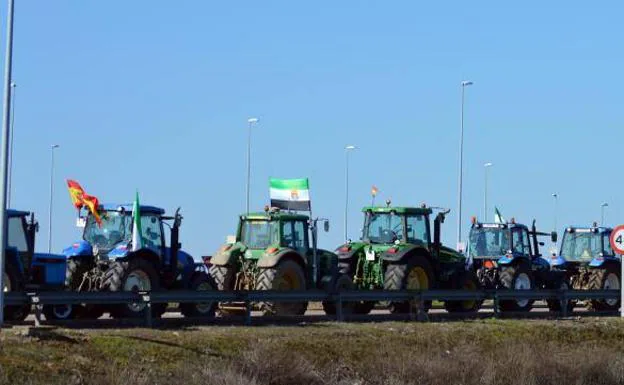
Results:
[464, 84]
[10, 173]
[251, 122]
[6, 118]
[556, 196]
[52, 148]
[348, 149]
[485, 193]
[602, 207]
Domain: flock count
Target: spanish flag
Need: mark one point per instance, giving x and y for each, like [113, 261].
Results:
[76, 193]
[92, 204]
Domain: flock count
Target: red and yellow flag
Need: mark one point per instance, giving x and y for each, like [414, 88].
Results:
[92, 204]
[374, 190]
[76, 193]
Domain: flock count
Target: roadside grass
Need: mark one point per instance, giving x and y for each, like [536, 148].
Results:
[587, 351]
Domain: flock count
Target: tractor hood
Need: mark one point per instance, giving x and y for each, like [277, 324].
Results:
[80, 248]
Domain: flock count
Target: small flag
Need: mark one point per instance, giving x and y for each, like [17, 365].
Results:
[92, 204]
[75, 192]
[290, 194]
[498, 218]
[137, 239]
[374, 191]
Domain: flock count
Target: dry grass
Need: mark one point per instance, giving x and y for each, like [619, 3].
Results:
[474, 352]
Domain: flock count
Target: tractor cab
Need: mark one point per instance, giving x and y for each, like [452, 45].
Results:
[584, 245]
[21, 237]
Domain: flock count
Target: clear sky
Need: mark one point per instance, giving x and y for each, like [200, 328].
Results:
[155, 96]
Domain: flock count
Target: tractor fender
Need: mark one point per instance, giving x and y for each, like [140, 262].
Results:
[78, 249]
[557, 260]
[353, 249]
[510, 259]
[227, 254]
[270, 260]
[403, 253]
[145, 254]
[603, 261]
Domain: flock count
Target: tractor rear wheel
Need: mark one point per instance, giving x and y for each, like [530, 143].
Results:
[13, 281]
[607, 278]
[517, 277]
[224, 278]
[342, 283]
[415, 274]
[286, 275]
[360, 307]
[74, 274]
[135, 275]
[467, 281]
[200, 282]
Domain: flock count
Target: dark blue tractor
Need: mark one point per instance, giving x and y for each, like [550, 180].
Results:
[23, 268]
[589, 263]
[506, 256]
[105, 260]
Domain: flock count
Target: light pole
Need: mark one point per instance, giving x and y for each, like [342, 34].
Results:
[52, 148]
[251, 122]
[348, 149]
[555, 196]
[602, 209]
[5, 149]
[485, 193]
[464, 84]
[10, 177]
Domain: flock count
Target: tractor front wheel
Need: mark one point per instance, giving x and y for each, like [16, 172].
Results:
[467, 281]
[360, 307]
[200, 282]
[554, 305]
[12, 281]
[415, 274]
[286, 275]
[342, 283]
[517, 277]
[607, 278]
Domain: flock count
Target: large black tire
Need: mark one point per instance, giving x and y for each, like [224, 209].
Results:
[15, 283]
[512, 278]
[74, 274]
[116, 278]
[466, 281]
[286, 275]
[360, 307]
[560, 283]
[223, 277]
[200, 281]
[342, 283]
[603, 279]
[398, 276]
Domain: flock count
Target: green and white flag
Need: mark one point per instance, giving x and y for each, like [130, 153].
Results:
[137, 239]
[498, 218]
[290, 194]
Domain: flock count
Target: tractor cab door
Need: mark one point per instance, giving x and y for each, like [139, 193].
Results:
[520, 243]
[153, 233]
[295, 236]
[18, 240]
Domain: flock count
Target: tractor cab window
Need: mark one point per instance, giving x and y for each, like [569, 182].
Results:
[607, 244]
[580, 245]
[115, 228]
[259, 234]
[152, 232]
[17, 234]
[383, 227]
[417, 229]
[294, 235]
[519, 241]
[488, 242]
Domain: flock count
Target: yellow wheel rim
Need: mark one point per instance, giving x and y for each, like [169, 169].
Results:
[417, 279]
[470, 286]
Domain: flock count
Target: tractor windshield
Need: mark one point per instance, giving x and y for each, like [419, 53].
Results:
[383, 227]
[259, 234]
[17, 234]
[580, 246]
[488, 242]
[114, 229]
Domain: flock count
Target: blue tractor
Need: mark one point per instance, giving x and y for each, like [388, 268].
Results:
[105, 260]
[589, 263]
[23, 268]
[506, 256]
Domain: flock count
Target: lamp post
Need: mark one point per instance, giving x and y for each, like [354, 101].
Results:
[464, 84]
[6, 119]
[602, 210]
[11, 130]
[485, 191]
[348, 149]
[250, 122]
[555, 196]
[52, 148]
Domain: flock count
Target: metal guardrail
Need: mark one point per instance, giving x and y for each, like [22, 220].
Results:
[38, 299]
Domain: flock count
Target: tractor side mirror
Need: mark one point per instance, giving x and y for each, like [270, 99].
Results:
[179, 245]
[541, 243]
[326, 226]
[553, 237]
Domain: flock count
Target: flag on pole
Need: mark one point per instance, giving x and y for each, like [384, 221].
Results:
[92, 204]
[75, 192]
[498, 218]
[137, 239]
[290, 194]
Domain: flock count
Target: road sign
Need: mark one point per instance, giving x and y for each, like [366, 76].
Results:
[617, 239]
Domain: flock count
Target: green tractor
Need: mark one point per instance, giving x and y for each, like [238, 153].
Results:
[276, 250]
[397, 251]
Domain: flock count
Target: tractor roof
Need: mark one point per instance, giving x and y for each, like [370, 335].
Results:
[397, 210]
[128, 207]
[507, 225]
[17, 213]
[597, 229]
[274, 215]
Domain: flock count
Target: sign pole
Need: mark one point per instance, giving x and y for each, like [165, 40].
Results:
[617, 244]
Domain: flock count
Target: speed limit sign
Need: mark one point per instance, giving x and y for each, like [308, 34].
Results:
[617, 239]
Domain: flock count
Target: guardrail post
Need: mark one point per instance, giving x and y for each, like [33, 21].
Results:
[34, 299]
[148, 309]
[339, 315]
[496, 301]
[563, 295]
[247, 311]
[421, 314]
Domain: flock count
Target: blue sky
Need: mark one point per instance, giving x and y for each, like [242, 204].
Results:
[155, 95]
